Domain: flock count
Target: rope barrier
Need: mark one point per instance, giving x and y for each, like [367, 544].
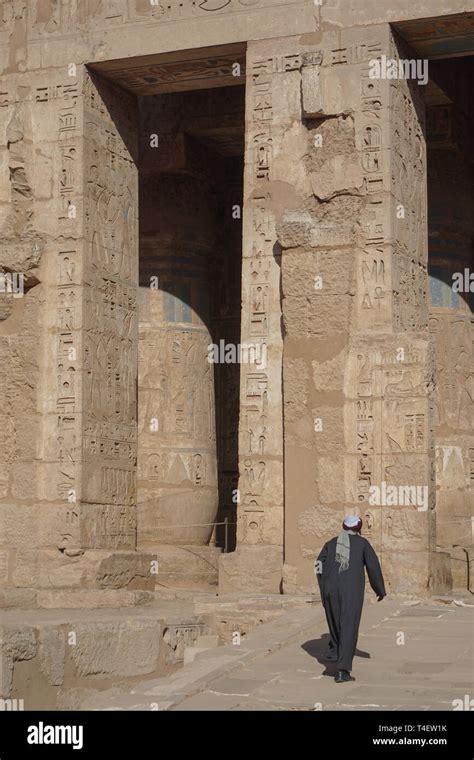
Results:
[225, 523]
[196, 525]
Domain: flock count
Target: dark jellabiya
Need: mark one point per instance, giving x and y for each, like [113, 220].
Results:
[341, 581]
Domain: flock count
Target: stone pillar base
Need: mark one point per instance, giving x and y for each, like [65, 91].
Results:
[460, 556]
[48, 578]
[186, 567]
[251, 569]
[441, 575]
[420, 573]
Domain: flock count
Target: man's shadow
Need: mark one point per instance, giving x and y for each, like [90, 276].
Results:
[318, 648]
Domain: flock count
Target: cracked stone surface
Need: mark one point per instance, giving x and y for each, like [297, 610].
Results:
[412, 655]
[432, 668]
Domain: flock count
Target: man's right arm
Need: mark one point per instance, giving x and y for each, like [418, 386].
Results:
[319, 564]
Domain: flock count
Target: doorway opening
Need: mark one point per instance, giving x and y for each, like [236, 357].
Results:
[190, 218]
[450, 121]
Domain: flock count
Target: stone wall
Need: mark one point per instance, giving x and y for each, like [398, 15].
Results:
[69, 460]
[334, 284]
[357, 361]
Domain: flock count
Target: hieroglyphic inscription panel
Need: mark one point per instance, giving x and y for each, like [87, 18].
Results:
[260, 439]
[110, 316]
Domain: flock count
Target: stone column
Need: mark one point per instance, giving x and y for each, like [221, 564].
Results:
[272, 106]
[110, 328]
[73, 225]
[358, 359]
[97, 334]
[26, 232]
[42, 239]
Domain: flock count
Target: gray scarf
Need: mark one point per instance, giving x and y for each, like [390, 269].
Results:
[343, 548]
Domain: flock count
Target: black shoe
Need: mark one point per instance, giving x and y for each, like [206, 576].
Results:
[343, 676]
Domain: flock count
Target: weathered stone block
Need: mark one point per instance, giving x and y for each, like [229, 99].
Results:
[187, 566]
[328, 371]
[19, 525]
[19, 643]
[406, 572]
[338, 174]
[330, 477]
[52, 653]
[122, 649]
[131, 570]
[311, 94]
[301, 228]
[295, 389]
[251, 569]
[441, 578]
[316, 316]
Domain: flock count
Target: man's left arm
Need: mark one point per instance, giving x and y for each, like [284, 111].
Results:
[374, 571]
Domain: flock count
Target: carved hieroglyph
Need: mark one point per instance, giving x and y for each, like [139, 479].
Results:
[354, 280]
[334, 285]
[177, 454]
[260, 440]
[110, 318]
[177, 460]
[48, 19]
[77, 201]
[258, 560]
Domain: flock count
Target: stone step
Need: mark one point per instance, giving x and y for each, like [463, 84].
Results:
[165, 693]
[202, 644]
[209, 641]
[54, 658]
[73, 599]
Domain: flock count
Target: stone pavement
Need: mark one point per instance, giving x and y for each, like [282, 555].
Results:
[412, 655]
[434, 666]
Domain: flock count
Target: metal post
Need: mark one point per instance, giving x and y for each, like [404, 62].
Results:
[226, 534]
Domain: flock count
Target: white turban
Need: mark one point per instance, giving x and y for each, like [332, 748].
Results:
[351, 521]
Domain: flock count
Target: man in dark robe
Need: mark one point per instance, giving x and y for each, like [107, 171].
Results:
[339, 569]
